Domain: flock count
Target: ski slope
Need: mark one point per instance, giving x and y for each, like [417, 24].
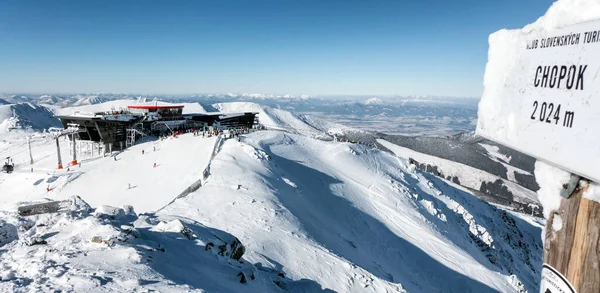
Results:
[131, 179]
[314, 215]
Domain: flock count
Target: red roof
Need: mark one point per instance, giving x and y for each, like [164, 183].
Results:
[153, 107]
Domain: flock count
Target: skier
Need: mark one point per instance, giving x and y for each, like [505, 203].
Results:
[154, 165]
[115, 157]
[142, 152]
[154, 148]
[128, 185]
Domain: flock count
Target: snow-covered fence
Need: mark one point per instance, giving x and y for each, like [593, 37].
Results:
[43, 208]
[215, 151]
[198, 183]
[193, 187]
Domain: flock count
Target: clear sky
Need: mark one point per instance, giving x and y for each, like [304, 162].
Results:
[359, 47]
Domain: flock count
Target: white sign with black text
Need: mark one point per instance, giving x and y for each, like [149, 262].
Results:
[542, 96]
[554, 282]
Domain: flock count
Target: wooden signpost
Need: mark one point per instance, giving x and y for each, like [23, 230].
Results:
[573, 251]
[542, 97]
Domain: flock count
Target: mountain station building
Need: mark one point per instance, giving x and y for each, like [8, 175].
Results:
[118, 129]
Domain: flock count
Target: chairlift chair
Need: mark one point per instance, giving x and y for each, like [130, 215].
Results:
[9, 166]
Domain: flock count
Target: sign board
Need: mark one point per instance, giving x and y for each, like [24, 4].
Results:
[542, 95]
[554, 282]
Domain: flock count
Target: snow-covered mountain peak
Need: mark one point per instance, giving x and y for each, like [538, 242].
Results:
[26, 116]
[373, 101]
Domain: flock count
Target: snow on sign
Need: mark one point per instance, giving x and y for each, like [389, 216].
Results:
[554, 282]
[542, 95]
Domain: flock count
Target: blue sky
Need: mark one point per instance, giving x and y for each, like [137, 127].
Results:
[327, 47]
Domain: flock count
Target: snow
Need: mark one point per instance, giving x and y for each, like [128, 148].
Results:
[104, 181]
[26, 116]
[468, 176]
[506, 104]
[350, 214]
[373, 101]
[493, 152]
[279, 119]
[504, 45]
[188, 108]
[557, 223]
[312, 215]
[551, 180]
[592, 192]
[89, 251]
[566, 12]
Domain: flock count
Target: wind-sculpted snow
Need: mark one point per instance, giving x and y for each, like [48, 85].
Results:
[353, 219]
[110, 249]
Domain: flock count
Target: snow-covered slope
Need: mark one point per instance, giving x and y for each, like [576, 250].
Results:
[282, 120]
[114, 250]
[312, 215]
[128, 178]
[467, 176]
[355, 219]
[89, 100]
[26, 116]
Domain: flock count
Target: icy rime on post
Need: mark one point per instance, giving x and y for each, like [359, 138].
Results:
[541, 98]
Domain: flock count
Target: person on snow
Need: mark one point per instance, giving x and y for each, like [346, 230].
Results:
[142, 152]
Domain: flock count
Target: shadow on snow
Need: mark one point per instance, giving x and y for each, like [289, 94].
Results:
[363, 240]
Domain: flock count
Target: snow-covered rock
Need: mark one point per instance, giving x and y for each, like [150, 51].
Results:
[74, 253]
